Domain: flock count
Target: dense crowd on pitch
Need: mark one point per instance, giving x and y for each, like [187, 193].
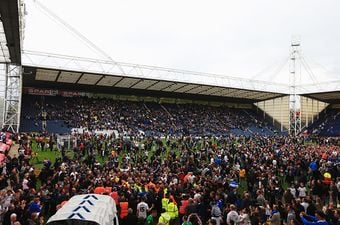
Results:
[231, 180]
[152, 119]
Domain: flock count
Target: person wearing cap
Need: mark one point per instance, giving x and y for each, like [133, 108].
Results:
[319, 218]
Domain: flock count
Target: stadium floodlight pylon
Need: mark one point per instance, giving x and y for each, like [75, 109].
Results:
[12, 99]
[13, 82]
[295, 69]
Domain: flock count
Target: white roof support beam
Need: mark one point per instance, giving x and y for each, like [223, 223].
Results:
[105, 67]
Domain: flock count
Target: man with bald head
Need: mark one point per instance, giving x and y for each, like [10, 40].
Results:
[13, 219]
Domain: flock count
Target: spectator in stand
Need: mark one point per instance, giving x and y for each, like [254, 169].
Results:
[153, 119]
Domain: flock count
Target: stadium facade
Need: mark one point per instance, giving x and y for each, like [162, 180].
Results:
[37, 73]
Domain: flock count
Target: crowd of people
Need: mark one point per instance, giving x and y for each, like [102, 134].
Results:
[170, 164]
[231, 180]
[150, 119]
[328, 125]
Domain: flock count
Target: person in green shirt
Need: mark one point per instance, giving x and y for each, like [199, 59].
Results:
[186, 221]
[150, 219]
[192, 219]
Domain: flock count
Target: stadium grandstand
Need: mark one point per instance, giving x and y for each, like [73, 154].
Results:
[169, 146]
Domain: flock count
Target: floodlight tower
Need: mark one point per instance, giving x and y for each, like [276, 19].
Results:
[13, 81]
[295, 116]
[12, 98]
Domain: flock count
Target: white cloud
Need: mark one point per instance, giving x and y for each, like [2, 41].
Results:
[238, 38]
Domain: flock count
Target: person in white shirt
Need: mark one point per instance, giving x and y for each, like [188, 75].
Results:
[232, 216]
[142, 210]
[292, 190]
[302, 191]
[25, 182]
[274, 163]
[243, 218]
[305, 204]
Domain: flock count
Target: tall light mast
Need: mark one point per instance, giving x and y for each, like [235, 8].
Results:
[295, 116]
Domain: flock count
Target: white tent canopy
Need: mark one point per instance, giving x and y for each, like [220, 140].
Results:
[88, 209]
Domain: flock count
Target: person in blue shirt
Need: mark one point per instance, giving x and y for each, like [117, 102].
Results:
[313, 166]
[34, 207]
[319, 219]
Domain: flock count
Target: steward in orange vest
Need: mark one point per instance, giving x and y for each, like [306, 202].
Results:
[124, 209]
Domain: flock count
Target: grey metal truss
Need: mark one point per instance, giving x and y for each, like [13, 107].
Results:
[107, 67]
[12, 98]
[295, 116]
[329, 86]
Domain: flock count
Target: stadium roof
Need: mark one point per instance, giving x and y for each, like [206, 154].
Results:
[116, 84]
[329, 97]
[55, 71]
[10, 49]
[323, 91]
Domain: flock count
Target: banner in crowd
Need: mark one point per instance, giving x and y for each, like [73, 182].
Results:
[51, 92]
[71, 93]
[40, 91]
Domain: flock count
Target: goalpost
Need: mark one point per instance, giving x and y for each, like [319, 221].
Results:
[67, 142]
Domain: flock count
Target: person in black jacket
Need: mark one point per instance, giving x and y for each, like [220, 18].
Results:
[131, 218]
[3, 181]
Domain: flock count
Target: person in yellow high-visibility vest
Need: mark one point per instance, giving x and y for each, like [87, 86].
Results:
[164, 218]
[165, 202]
[172, 209]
